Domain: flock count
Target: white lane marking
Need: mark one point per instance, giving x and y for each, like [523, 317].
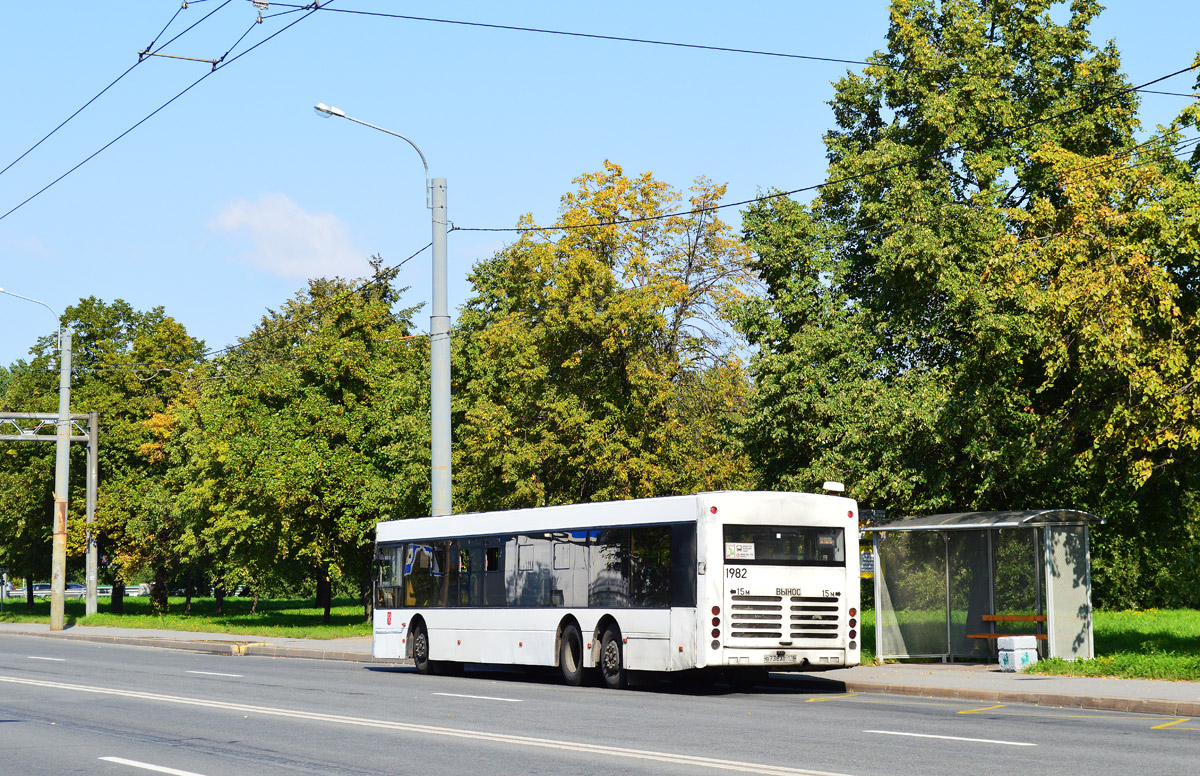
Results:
[215, 673]
[474, 735]
[148, 766]
[55, 659]
[950, 738]
[479, 697]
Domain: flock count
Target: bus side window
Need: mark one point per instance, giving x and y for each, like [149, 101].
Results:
[562, 556]
[650, 566]
[608, 583]
[388, 577]
[683, 564]
[418, 579]
[493, 575]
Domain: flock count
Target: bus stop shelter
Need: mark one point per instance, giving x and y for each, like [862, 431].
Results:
[947, 585]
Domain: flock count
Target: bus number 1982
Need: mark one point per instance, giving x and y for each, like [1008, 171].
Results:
[734, 572]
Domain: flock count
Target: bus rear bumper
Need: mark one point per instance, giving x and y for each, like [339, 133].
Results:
[785, 659]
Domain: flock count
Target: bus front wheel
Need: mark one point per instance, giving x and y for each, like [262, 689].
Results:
[570, 655]
[420, 649]
[612, 666]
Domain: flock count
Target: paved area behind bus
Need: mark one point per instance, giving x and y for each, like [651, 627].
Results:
[984, 683]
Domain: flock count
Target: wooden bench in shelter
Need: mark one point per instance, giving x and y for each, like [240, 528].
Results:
[1039, 618]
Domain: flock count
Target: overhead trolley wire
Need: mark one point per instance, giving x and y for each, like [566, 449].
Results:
[217, 66]
[186, 30]
[953, 148]
[178, 11]
[114, 82]
[677, 44]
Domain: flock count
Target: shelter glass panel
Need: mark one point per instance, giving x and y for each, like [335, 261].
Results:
[970, 591]
[911, 594]
[1017, 560]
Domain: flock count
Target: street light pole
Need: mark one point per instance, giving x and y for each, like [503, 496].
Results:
[62, 457]
[439, 329]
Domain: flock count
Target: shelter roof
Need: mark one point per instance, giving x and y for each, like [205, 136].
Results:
[962, 521]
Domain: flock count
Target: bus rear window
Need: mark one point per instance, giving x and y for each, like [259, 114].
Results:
[785, 545]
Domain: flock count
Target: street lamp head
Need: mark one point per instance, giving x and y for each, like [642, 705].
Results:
[325, 111]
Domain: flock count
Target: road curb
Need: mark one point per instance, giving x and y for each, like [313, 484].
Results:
[1056, 700]
[214, 647]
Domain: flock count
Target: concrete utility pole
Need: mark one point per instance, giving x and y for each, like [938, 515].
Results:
[439, 360]
[92, 475]
[439, 330]
[62, 457]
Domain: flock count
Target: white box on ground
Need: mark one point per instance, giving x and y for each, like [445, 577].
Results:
[1016, 642]
[1017, 659]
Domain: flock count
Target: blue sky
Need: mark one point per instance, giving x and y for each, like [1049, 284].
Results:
[221, 205]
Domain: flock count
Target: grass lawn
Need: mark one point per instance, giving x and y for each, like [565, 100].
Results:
[1149, 644]
[294, 618]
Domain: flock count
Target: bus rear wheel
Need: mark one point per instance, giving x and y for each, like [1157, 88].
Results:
[612, 667]
[570, 655]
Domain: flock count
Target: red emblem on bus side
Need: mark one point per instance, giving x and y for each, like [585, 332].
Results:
[389, 622]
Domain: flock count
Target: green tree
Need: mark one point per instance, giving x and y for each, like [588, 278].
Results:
[303, 437]
[127, 365]
[988, 306]
[595, 362]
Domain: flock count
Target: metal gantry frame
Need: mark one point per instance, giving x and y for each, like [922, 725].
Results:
[84, 427]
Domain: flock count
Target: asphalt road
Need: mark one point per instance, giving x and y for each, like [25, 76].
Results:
[79, 708]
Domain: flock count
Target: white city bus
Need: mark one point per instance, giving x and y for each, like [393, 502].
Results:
[736, 582]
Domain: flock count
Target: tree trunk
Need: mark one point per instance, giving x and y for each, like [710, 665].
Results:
[219, 599]
[254, 603]
[116, 604]
[366, 585]
[324, 590]
[191, 586]
[324, 594]
[159, 602]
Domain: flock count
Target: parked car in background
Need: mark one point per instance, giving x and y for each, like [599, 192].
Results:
[75, 590]
[40, 590]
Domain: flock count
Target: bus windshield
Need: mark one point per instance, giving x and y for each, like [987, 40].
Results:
[782, 545]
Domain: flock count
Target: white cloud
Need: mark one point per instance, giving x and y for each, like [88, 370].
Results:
[27, 248]
[289, 242]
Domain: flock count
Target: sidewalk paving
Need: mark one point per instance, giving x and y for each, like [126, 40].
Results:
[975, 682]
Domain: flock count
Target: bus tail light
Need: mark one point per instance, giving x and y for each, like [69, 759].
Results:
[853, 623]
[853, 611]
[716, 632]
[853, 634]
[716, 621]
[717, 645]
[716, 610]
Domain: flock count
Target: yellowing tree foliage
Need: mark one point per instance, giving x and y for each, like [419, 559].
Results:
[595, 360]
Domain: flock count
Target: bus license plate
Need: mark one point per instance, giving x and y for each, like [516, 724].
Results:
[784, 658]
